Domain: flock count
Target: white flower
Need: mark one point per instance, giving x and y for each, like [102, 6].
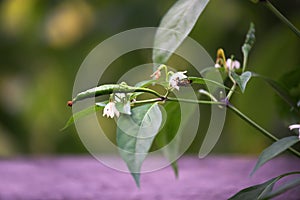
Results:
[156, 74]
[295, 126]
[110, 110]
[233, 64]
[217, 65]
[175, 78]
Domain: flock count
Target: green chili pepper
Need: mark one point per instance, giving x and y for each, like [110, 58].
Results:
[109, 89]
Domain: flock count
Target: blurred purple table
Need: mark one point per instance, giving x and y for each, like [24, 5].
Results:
[215, 177]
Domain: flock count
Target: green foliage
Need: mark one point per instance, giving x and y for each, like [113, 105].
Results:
[274, 150]
[242, 79]
[83, 113]
[279, 89]
[248, 44]
[166, 138]
[175, 26]
[204, 81]
[265, 190]
[290, 81]
[135, 135]
[255, 192]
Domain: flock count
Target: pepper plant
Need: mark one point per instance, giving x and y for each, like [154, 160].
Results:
[139, 120]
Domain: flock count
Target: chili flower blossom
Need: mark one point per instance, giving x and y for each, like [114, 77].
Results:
[110, 110]
[176, 78]
[295, 126]
[233, 64]
[156, 74]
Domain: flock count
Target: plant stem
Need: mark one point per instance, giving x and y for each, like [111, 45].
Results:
[281, 17]
[259, 128]
[178, 100]
[245, 62]
[146, 101]
[232, 88]
[194, 101]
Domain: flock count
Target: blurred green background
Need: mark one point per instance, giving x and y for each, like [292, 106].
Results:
[43, 43]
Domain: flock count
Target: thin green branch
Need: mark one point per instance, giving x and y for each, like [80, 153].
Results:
[259, 128]
[269, 5]
[194, 101]
[146, 101]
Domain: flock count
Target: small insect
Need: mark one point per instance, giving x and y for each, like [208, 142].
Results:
[183, 82]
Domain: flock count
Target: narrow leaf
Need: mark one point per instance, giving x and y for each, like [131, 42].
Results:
[287, 186]
[83, 113]
[175, 27]
[255, 191]
[274, 150]
[204, 81]
[135, 135]
[249, 41]
[242, 80]
[264, 190]
[279, 89]
[144, 83]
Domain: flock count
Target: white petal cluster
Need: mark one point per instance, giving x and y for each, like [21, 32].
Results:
[110, 110]
[175, 78]
[295, 126]
[233, 64]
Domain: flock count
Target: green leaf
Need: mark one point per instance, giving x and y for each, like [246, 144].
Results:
[265, 190]
[204, 81]
[287, 186]
[124, 107]
[144, 83]
[175, 27]
[168, 132]
[279, 89]
[256, 191]
[249, 41]
[274, 150]
[242, 80]
[83, 113]
[135, 135]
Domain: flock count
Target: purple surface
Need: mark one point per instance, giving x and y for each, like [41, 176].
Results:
[85, 178]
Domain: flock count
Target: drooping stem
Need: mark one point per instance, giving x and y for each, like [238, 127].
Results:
[259, 128]
[269, 5]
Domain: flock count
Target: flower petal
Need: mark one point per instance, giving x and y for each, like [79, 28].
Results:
[294, 126]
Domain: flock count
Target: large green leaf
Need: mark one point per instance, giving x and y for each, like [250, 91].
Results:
[83, 113]
[168, 133]
[274, 150]
[265, 190]
[175, 27]
[242, 79]
[135, 135]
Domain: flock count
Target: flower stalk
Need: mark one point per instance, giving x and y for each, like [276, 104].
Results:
[276, 12]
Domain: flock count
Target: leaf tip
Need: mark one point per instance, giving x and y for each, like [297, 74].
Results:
[136, 177]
